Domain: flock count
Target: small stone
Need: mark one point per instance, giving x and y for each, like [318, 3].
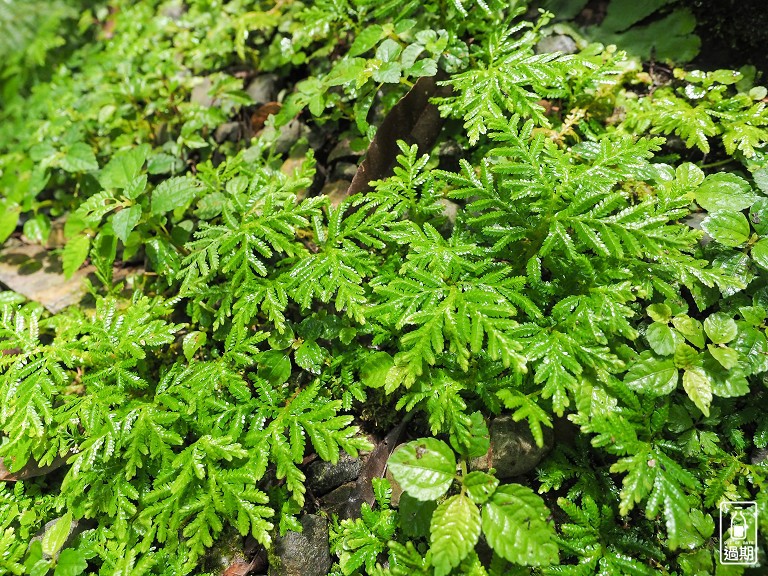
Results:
[302, 554]
[449, 155]
[694, 221]
[759, 455]
[344, 171]
[342, 150]
[336, 191]
[556, 43]
[263, 88]
[322, 476]
[226, 551]
[287, 136]
[513, 450]
[229, 131]
[291, 164]
[200, 94]
[450, 211]
[336, 501]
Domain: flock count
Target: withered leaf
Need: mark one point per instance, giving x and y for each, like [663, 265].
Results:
[414, 120]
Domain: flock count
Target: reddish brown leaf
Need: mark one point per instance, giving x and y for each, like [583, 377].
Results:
[259, 117]
[413, 119]
[31, 469]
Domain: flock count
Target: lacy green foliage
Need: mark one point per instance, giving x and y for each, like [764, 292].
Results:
[168, 458]
[703, 106]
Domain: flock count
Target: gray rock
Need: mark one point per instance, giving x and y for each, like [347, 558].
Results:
[302, 554]
[200, 94]
[336, 502]
[343, 150]
[229, 131]
[759, 455]
[449, 155]
[174, 11]
[336, 191]
[263, 88]
[513, 449]
[322, 476]
[556, 43]
[287, 136]
[344, 171]
[694, 221]
[450, 211]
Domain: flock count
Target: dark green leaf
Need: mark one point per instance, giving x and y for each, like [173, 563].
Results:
[654, 376]
[366, 40]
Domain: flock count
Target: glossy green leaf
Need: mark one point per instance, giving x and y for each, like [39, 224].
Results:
[725, 192]
[728, 228]
[374, 371]
[455, 530]
[691, 329]
[654, 376]
[659, 312]
[480, 486]
[310, 356]
[124, 167]
[758, 216]
[689, 175]
[71, 563]
[79, 158]
[192, 342]
[474, 440]
[720, 328]
[698, 386]
[365, 40]
[9, 218]
[388, 51]
[56, 536]
[125, 220]
[662, 338]
[274, 367]
[727, 357]
[424, 468]
[759, 253]
[37, 229]
[74, 254]
[389, 72]
[752, 346]
[415, 515]
[173, 193]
